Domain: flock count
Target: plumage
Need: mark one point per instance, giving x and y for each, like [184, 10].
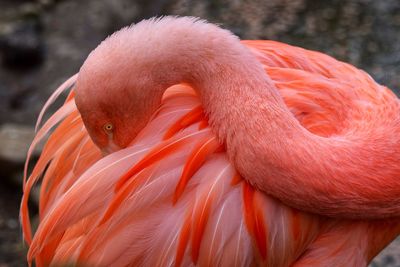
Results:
[174, 195]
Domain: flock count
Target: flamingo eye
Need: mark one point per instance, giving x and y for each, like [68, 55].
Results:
[108, 128]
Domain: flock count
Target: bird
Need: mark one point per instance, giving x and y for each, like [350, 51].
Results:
[180, 144]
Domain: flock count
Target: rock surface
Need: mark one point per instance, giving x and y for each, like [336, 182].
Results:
[14, 143]
[42, 42]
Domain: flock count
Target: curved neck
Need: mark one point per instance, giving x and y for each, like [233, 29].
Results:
[236, 93]
[268, 146]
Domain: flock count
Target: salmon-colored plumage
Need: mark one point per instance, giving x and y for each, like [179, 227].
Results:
[175, 194]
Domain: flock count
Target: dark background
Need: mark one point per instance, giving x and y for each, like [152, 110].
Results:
[44, 42]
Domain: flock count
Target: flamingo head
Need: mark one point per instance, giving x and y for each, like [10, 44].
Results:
[112, 116]
[114, 94]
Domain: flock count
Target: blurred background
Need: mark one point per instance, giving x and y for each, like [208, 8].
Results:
[44, 42]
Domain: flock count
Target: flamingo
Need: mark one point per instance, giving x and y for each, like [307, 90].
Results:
[179, 144]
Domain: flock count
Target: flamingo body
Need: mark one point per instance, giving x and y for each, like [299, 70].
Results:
[173, 195]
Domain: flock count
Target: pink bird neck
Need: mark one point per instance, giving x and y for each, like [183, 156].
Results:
[355, 175]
